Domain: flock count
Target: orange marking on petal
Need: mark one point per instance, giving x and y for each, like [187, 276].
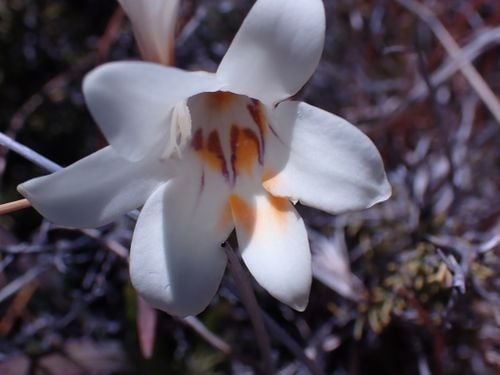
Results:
[244, 215]
[270, 180]
[279, 208]
[226, 217]
[220, 99]
[211, 153]
[245, 150]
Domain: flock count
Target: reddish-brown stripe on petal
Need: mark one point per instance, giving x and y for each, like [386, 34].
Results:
[214, 147]
[257, 113]
[244, 215]
[210, 153]
[197, 140]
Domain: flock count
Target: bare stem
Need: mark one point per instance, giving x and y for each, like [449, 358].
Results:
[7, 208]
[250, 302]
[28, 153]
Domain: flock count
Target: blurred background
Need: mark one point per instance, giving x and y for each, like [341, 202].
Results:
[407, 287]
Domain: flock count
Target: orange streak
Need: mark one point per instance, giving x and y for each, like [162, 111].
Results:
[244, 215]
[279, 208]
[225, 217]
[270, 180]
[245, 150]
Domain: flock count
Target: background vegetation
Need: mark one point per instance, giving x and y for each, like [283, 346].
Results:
[408, 287]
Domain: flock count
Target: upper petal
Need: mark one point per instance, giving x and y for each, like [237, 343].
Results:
[276, 49]
[154, 23]
[273, 242]
[322, 160]
[132, 102]
[95, 190]
[176, 261]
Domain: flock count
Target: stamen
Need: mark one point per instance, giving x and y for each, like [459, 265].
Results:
[20, 204]
[180, 130]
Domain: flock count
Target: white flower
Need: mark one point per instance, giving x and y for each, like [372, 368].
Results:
[206, 153]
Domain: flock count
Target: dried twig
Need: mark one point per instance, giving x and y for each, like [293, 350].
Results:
[483, 40]
[28, 153]
[469, 71]
[17, 284]
[112, 245]
[17, 307]
[254, 311]
[214, 340]
[20, 204]
[217, 342]
[293, 346]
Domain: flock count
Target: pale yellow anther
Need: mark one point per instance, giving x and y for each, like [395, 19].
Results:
[180, 130]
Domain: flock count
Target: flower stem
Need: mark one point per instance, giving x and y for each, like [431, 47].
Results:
[253, 309]
[7, 208]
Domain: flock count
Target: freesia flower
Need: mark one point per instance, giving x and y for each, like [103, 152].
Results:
[209, 152]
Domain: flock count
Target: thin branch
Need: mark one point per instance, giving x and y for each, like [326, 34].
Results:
[484, 39]
[452, 48]
[112, 245]
[206, 334]
[20, 204]
[281, 335]
[215, 341]
[254, 311]
[17, 284]
[28, 153]
[293, 346]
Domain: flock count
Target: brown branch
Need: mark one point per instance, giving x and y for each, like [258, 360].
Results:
[10, 207]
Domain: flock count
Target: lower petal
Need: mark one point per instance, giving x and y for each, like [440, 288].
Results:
[322, 160]
[95, 190]
[176, 260]
[274, 246]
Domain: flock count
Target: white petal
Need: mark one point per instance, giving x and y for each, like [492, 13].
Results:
[273, 241]
[176, 261]
[95, 190]
[322, 160]
[276, 49]
[154, 23]
[132, 102]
